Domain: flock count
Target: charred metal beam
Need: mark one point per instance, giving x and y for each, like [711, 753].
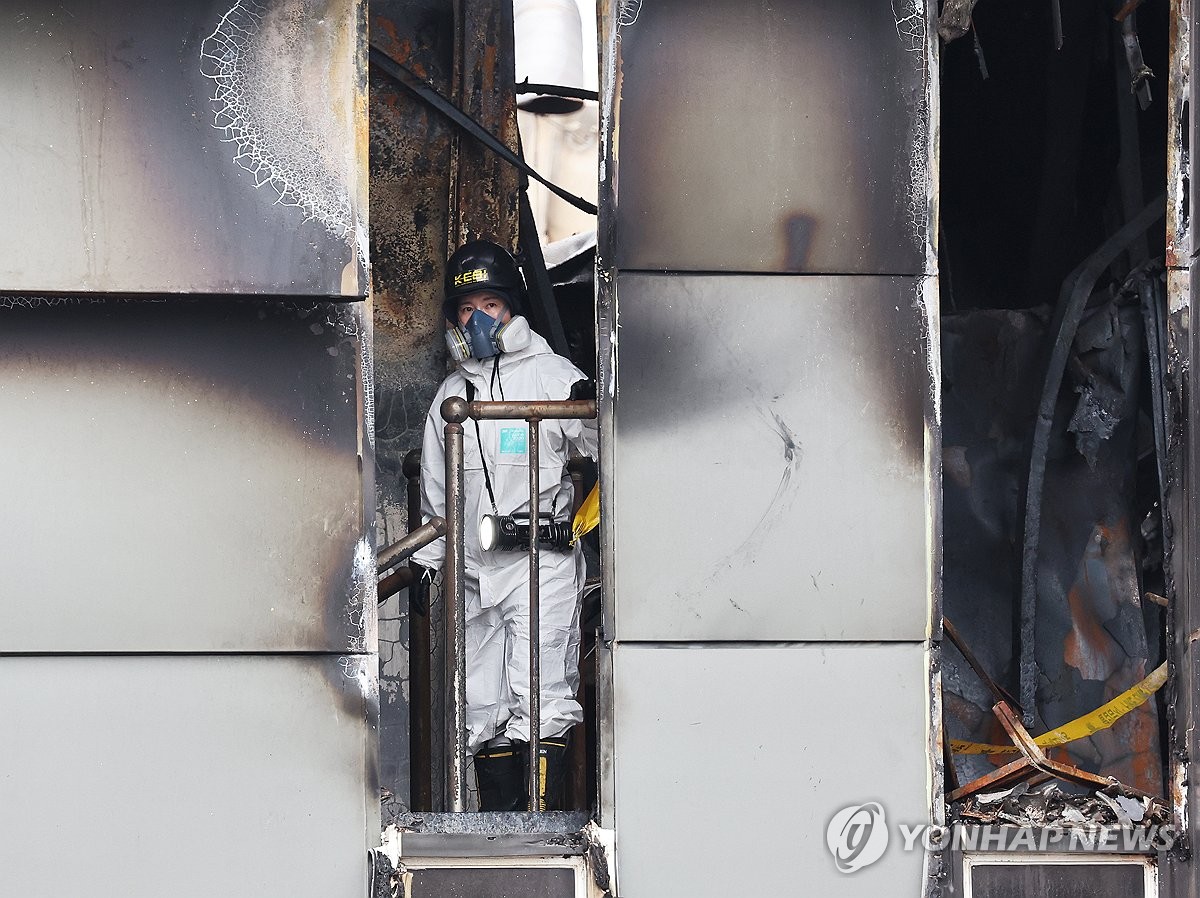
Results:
[470, 126]
[556, 90]
[1072, 301]
[1155, 333]
[483, 187]
[1139, 73]
[541, 291]
[420, 682]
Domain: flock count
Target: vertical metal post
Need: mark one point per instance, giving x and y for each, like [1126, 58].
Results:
[580, 737]
[535, 627]
[454, 411]
[419, 694]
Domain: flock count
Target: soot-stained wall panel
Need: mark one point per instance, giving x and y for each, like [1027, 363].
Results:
[766, 744]
[774, 137]
[184, 476]
[779, 426]
[190, 776]
[183, 147]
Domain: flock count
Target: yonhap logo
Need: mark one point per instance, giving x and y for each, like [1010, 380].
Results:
[857, 836]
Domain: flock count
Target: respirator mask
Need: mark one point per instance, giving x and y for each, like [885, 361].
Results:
[483, 337]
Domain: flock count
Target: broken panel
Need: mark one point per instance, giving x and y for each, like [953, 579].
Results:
[193, 776]
[1095, 636]
[199, 147]
[788, 451]
[184, 476]
[775, 137]
[759, 738]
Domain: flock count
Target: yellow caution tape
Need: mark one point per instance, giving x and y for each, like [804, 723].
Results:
[1081, 727]
[587, 518]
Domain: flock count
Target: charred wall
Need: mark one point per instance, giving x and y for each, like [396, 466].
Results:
[189, 647]
[769, 389]
[431, 188]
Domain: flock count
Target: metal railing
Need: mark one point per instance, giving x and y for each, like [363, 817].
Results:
[419, 674]
[455, 411]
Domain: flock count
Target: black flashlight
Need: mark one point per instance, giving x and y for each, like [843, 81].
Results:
[510, 533]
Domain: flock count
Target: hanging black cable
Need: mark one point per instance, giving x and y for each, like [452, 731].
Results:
[426, 92]
[556, 90]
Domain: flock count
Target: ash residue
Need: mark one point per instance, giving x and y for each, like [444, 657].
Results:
[1049, 805]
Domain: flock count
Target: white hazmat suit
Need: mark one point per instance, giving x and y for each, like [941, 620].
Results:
[497, 583]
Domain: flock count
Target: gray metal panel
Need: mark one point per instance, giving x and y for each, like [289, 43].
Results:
[193, 777]
[183, 477]
[194, 147]
[771, 459]
[489, 882]
[775, 137]
[731, 761]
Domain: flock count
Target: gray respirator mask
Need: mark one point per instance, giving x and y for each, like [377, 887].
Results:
[483, 337]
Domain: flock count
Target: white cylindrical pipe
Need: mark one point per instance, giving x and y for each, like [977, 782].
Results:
[549, 50]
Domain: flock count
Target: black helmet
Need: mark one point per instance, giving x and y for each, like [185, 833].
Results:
[482, 265]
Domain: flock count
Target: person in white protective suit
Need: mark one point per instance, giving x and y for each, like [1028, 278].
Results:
[500, 358]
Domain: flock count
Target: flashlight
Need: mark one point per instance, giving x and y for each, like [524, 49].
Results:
[509, 533]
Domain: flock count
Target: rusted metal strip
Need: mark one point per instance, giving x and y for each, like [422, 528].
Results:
[543, 410]
[454, 574]
[1034, 766]
[393, 583]
[535, 620]
[1125, 10]
[430, 95]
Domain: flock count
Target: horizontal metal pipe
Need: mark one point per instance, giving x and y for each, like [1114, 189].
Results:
[542, 410]
[397, 552]
[393, 583]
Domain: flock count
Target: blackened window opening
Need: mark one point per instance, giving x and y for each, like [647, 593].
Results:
[1045, 154]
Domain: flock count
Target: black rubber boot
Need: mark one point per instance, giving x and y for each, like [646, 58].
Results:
[500, 770]
[553, 752]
